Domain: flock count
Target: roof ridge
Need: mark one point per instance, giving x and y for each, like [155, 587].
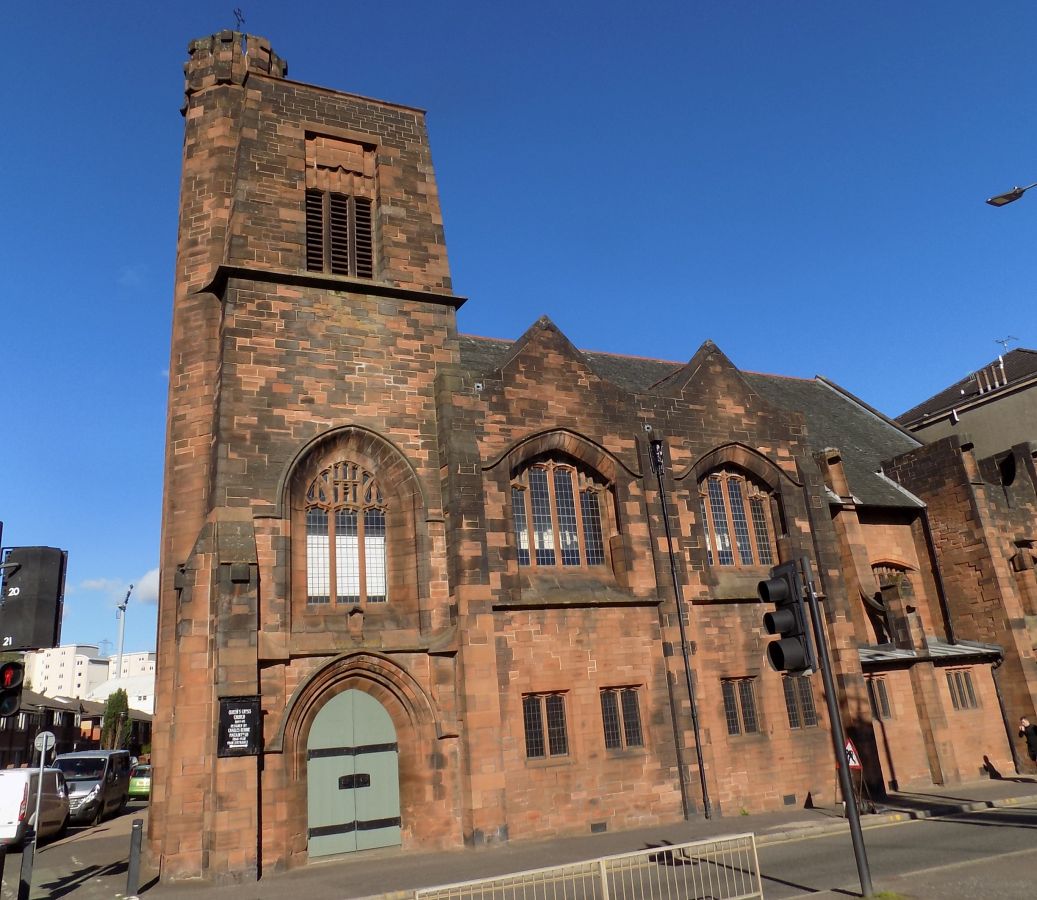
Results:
[776, 375]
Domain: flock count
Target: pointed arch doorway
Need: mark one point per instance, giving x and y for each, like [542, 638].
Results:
[352, 777]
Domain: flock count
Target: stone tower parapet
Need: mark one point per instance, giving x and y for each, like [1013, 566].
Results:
[226, 58]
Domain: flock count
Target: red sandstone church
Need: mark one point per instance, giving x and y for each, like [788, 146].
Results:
[415, 583]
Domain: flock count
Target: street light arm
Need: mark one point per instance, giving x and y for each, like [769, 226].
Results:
[1009, 196]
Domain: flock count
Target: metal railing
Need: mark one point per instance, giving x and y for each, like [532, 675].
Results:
[725, 868]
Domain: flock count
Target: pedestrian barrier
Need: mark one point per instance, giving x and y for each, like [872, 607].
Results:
[725, 868]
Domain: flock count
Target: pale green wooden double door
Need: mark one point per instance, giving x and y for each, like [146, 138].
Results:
[352, 777]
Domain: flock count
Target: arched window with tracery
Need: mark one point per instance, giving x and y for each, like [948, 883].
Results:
[737, 518]
[560, 516]
[345, 537]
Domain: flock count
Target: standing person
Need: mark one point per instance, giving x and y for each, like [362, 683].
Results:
[1028, 731]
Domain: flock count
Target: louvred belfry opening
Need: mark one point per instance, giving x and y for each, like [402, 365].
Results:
[338, 234]
[340, 191]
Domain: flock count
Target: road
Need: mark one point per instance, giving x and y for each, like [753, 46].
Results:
[962, 857]
[89, 861]
[985, 854]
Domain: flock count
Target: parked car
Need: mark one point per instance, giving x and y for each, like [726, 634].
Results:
[18, 804]
[98, 782]
[140, 782]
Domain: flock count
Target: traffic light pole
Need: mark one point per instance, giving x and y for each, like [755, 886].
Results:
[860, 854]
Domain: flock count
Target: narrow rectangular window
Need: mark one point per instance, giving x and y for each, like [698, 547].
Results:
[791, 706]
[741, 526]
[318, 560]
[533, 721]
[543, 532]
[595, 545]
[565, 504]
[557, 740]
[347, 557]
[954, 691]
[879, 698]
[716, 504]
[806, 702]
[748, 700]
[518, 512]
[731, 708]
[969, 692]
[705, 528]
[763, 540]
[610, 719]
[632, 719]
[374, 555]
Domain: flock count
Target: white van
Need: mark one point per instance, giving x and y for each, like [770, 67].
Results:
[18, 804]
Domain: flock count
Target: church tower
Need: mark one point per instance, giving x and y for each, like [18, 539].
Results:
[312, 307]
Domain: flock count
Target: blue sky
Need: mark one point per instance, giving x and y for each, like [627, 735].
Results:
[801, 182]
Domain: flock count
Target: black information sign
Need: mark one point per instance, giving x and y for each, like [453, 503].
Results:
[240, 727]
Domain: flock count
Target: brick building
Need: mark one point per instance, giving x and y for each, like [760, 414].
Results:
[438, 562]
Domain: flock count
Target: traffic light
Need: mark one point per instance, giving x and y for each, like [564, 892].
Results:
[33, 590]
[794, 652]
[12, 674]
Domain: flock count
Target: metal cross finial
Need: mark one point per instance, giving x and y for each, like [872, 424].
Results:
[1004, 341]
[239, 16]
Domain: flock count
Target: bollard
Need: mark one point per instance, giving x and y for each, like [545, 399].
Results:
[25, 878]
[3, 860]
[133, 869]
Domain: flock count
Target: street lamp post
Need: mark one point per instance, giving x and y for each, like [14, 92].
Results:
[659, 467]
[122, 632]
[1009, 196]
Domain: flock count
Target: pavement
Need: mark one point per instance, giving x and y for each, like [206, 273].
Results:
[393, 874]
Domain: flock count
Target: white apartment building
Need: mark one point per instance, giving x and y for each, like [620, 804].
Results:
[140, 691]
[133, 664]
[72, 670]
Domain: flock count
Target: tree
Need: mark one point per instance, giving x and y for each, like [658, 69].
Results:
[115, 727]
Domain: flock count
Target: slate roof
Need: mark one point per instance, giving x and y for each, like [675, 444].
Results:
[834, 417]
[1020, 365]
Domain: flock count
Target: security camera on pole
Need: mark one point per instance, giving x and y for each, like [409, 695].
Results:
[794, 654]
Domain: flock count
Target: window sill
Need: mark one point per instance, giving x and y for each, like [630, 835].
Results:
[753, 736]
[545, 587]
[548, 762]
[629, 753]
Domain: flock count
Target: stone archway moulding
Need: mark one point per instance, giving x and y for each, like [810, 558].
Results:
[352, 670]
[370, 443]
[752, 461]
[561, 440]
